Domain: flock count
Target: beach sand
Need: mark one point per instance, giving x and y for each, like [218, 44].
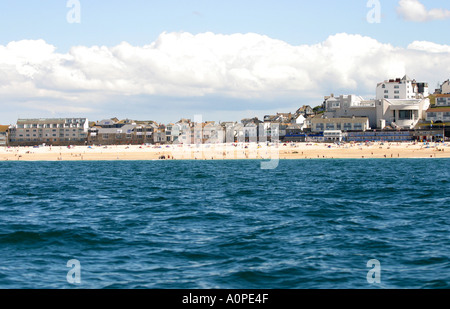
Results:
[228, 152]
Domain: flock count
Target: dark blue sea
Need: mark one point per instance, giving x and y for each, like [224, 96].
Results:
[308, 224]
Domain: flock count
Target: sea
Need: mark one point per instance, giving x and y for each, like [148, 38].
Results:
[307, 224]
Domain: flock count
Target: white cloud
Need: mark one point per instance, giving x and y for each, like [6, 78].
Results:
[429, 47]
[414, 10]
[238, 66]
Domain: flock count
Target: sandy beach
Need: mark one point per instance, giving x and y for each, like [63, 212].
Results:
[228, 152]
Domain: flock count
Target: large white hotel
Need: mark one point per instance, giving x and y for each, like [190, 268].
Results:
[399, 104]
[61, 131]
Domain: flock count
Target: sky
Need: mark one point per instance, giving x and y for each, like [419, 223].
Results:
[224, 60]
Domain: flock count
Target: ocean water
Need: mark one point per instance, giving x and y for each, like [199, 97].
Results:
[225, 224]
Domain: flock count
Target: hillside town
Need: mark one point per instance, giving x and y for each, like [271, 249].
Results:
[402, 111]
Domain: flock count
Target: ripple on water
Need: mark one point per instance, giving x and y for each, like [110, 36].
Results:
[225, 224]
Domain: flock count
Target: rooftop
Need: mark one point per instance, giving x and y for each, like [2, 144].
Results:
[439, 110]
[403, 101]
[49, 120]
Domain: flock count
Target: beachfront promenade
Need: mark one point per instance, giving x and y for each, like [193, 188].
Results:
[228, 152]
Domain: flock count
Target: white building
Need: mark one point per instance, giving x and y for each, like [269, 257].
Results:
[319, 125]
[404, 88]
[251, 132]
[333, 136]
[442, 100]
[177, 133]
[60, 131]
[213, 133]
[401, 114]
[439, 114]
[399, 103]
[181, 132]
[346, 106]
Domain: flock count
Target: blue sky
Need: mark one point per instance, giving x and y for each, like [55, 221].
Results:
[141, 22]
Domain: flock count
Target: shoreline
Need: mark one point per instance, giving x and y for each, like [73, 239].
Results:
[220, 152]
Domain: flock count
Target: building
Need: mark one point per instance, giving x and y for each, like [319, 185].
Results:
[401, 113]
[402, 89]
[285, 117]
[444, 88]
[319, 125]
[332, 136]
[173, 132]
[233, 131]
[159, 135]
[125, 132]
[4, 136]
[381, 136]
[442, 100]
[181, 132]
[346, 106]
[251, 132]
[305, 110]
[213, 133]
[59, 131]
[399, 103]
[430, 135]
[295, 133]
[299, 119]
[438, 115]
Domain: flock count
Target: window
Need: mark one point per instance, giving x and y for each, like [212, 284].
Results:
[386, 91]
[396, 91]
[396, 97]
[357, 126]
[347, 126]
[386, 97]
[397, 87]
[405, 115]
